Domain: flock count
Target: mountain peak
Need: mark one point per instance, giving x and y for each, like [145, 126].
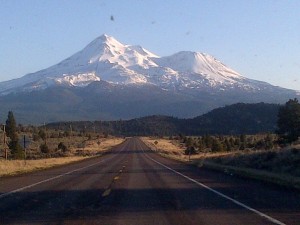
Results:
[199, 63]
[106, 38]
[107, 59]
[104, 41]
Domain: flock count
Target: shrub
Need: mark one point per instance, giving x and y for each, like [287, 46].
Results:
[216, 146]
[17, 151]
[36, 137]
[62, 147]
[42, 134]
[44, 148]
[190, 150]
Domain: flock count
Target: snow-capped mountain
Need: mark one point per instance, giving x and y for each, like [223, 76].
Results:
[111, 80]
[107, 59]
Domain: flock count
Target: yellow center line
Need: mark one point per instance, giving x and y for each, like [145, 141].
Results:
[106, 192]
[109, 188]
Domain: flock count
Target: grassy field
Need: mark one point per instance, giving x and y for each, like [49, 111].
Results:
[165, 146]
[94, 147]
[13, 167]
[174, 149]
[79, 150]
[280, 166]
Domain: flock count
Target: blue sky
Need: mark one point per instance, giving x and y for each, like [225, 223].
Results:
[259, 39]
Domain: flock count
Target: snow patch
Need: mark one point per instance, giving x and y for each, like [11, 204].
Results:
[80, 80]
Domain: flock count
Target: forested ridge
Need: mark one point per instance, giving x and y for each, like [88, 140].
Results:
[239, 118]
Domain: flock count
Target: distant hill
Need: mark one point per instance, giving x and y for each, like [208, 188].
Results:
[239, 118]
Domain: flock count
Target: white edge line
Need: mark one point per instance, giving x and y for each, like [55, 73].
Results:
[44, 181]
[52, 178]
[275, 221]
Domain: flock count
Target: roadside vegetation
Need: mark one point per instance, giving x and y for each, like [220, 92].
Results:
[271, 157]
[256, 156]
[28, 148]
[39, 143]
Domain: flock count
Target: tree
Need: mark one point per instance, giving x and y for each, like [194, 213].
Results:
[288, 122]
[227, 145]
[269, 143]
[216, 146]
[63, 147]
[242, 142]
[189, 142]
[10, 124]
[11, 130]
[42, 134]
[44, 148]
[190, 150]
[208, 141]
[243, 138]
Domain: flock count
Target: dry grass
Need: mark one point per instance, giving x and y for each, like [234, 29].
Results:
[174, 149]
[166, 147]
[76, 146]
[93, 147]
[283, 161]
[90, 148]
[160, 144]
[12, 167]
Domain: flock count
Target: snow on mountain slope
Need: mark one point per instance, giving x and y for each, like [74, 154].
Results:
[200, 63]
[104, 58]
[78, 80]
[107, 59]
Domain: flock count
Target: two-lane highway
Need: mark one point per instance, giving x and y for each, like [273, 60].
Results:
[132, 185]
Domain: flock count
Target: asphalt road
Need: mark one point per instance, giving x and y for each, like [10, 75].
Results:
[132, 185]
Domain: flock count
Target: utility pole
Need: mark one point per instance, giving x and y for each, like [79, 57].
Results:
[45, 130]
[24, 142]
[71, 134]
[71, 131]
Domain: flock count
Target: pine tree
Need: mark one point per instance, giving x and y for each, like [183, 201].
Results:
[269, 144]
[289, 121]
[10, 124]
[227, 145]
[11, 129]
[216, 146]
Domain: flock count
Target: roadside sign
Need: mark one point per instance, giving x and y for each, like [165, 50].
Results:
[25, 141]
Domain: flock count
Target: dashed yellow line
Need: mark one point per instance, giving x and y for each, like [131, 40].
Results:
[109, 189]
[106, 192]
